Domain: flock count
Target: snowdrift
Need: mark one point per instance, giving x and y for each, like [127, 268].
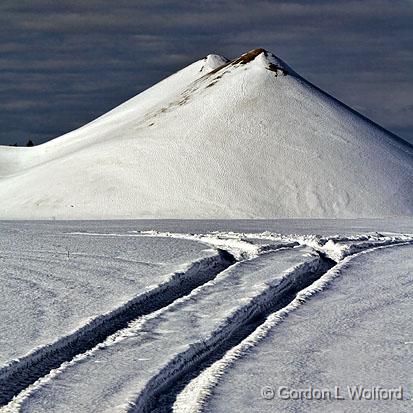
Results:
[247, 138]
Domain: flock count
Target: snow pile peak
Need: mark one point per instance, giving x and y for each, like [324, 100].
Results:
[212, 62]
[263, 58]
[247, 138]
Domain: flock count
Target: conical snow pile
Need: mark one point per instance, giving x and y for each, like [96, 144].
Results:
[247, 138]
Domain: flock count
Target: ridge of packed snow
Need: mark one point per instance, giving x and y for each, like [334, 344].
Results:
[314, 254]
[195, 395]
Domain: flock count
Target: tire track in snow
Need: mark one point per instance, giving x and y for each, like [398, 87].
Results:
[165, 398]
[194, 396]
[22, 372]
[269, 284]
[161, 391]
[236, 246]
[15, 403]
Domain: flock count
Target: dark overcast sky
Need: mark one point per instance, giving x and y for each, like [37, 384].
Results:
[63, 63]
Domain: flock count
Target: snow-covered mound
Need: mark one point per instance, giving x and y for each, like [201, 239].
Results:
[248, 138]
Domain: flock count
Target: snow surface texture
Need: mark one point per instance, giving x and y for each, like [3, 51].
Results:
[358, 333]
[177, 354]
[243, 139]
[166, 342]
[59, 291]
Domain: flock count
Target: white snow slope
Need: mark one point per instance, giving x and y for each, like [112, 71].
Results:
[243, 139]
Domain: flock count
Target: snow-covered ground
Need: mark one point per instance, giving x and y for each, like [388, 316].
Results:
[357, 333]
[63, 292]
[167, 342]
[244, 139]
[158, 316]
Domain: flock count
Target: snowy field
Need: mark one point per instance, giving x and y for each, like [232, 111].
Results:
[204, 316]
